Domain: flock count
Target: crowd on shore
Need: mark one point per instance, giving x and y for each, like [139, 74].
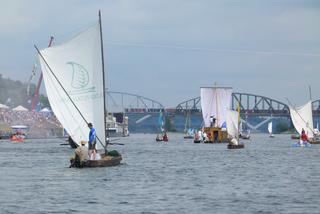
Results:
[36, 121]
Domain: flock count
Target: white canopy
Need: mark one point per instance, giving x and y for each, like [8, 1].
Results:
[77, 64]
[20, 108]
[3, 106]
[45, 110]
[214, 102]
[302, 118]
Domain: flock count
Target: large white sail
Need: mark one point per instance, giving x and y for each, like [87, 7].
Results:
[270, 127]
[214, 102]
[232, 118]
[302, 118]
[77, 64]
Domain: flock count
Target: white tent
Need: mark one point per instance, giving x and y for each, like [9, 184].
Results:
[20, 108]
[3, 106]
[45, 110]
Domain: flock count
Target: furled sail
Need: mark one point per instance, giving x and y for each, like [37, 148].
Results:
[302, 118]
[270, 127]
[77, 65]
[214, 102]
[232, 123]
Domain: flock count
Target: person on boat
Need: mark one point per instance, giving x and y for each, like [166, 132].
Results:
[165, 137]
[211, 121]
[81, 155]
[303, 137]
[204, 136]
[95, 156]
[233, 141]
[196, 136]
[92, 140]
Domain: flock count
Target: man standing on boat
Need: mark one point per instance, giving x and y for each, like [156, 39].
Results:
[92, 140]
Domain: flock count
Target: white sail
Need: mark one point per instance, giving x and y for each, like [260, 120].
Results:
[214, 102]
[302, 118]
[232, 123]
[77, 64]
[270, 127]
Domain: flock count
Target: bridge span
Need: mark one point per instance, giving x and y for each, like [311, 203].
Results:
[250, 104]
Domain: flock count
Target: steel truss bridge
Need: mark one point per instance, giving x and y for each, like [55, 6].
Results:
[128, 102]
[250, 104]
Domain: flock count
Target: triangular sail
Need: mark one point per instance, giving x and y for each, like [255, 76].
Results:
[214, 102]
[270, 127]
[77, 64]
[232, 123]
[302, 118]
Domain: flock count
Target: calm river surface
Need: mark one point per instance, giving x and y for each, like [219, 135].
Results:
[268, 176]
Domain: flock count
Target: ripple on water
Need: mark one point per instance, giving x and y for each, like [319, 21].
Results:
[268, 176]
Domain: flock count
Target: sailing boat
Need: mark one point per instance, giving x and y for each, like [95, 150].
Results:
[189, 133]
[214, 103]
[270, 129]
[302, 120]
[232, 122]
[74, 79]
[244, 134]
[162, 136]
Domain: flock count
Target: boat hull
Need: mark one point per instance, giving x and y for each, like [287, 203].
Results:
[240, 146]
[105, 161]
[314, 142]
[188, 137]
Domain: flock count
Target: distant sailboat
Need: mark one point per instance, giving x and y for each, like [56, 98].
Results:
[244, 134]
[302, 120]
[214, 103]
[74, 79]
[232, 122]
[270, 129]
[189, 133]
[162, 136]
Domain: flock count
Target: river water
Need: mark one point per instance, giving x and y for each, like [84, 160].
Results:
[268, 176]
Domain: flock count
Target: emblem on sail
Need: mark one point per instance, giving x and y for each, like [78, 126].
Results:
[80, 79]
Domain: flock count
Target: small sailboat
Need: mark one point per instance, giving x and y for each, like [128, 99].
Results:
[244, 134]
[75, 84]
[162, 136]
[19, 133]
[270, 129]
[302, 120]
[189, 133]
[232, 122]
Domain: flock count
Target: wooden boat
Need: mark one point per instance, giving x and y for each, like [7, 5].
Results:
[197, 141]
[314, 141]
[240, 146]
[161, 139]
[105, 161]
[188, 137]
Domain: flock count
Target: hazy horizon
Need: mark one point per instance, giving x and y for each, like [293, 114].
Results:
[166, 50]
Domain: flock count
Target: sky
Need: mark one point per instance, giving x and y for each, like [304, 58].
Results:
[167, 49]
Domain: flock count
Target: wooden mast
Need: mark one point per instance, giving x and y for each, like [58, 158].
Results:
[104, 88]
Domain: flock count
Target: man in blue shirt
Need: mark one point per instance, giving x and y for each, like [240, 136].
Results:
[92, 140]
